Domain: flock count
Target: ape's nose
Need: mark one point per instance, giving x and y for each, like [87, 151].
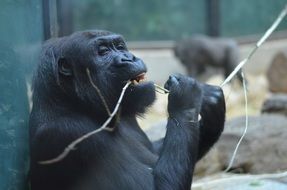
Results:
[127, 57]
[124, 59]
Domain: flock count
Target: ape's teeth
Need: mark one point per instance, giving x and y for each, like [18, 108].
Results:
[135, 82]
[139, 78]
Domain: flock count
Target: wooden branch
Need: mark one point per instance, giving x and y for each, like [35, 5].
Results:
[73, 144]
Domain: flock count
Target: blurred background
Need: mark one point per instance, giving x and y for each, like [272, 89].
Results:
[151, 28]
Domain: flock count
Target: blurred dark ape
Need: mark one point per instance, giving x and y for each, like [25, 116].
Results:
[200, 52]
[66, 106]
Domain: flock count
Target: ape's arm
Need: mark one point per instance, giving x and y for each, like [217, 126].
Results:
[212, 120]
[174, 168]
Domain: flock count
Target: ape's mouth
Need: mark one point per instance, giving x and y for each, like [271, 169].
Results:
[138, 79]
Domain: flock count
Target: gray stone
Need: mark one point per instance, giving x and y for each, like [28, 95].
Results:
[277, 103]
[241, 182]
[263, 150]
[277, 73]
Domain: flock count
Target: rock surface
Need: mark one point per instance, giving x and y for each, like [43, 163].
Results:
[263, 150]
[277, 73]
[242, 182]
[277, 103]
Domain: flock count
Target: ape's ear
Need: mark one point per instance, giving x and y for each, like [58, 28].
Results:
[64, 67]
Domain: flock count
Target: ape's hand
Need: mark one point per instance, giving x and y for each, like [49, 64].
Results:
[213, 99]
[213, 117]
[185, 95]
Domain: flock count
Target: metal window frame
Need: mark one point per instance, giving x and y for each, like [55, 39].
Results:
[57, 18]
[213, 17]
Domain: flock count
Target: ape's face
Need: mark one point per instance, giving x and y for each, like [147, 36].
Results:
[119, 65]
[114, 66]
[111, 66]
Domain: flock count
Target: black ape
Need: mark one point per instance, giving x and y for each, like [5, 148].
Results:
[66, 106]
[200, 52]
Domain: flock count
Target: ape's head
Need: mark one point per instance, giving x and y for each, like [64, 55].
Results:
[62, 73]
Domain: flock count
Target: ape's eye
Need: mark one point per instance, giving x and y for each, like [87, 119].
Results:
[64, 67]
[102, 50]
[121, 46]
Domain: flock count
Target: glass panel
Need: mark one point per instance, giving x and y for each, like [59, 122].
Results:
[20, 37]
[142, 20]
[247, 17]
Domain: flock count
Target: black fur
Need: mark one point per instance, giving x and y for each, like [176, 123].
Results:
[66, 106]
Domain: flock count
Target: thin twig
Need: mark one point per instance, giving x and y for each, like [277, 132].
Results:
[257, 45]
[98, 91]
[158, 88]
[73, 144]
[246, 124]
